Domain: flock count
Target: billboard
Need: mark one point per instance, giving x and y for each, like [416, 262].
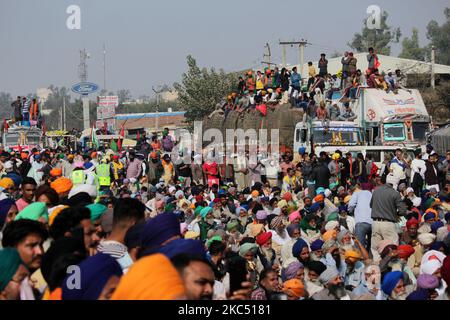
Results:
[110, 124]
[108, 101]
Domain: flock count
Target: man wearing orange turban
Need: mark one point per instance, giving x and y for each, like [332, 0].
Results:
[294, 289]
[150, 278]
[62, 186]
[56, 172]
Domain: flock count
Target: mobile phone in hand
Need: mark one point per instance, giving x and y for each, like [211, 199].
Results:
[237, 268]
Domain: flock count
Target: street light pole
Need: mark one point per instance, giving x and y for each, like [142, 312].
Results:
[158, 91]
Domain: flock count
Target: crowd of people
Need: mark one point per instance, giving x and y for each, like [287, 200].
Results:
[313, 94]
[137, 224]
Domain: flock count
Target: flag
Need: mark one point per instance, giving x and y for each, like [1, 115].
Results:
[5, 125]
[138, 136]
[94, 139]
[122, 134]
[113, 145]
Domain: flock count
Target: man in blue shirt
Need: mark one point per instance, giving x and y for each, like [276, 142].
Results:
[360, 205]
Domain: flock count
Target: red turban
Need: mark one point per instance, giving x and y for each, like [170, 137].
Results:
[404, 251]
[411, 223]
[198, 198]
[287, 196]
[263, 238]
[216, 200]
[445, 270]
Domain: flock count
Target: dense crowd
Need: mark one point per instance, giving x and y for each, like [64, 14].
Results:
[156, 223]
[313, 94]
[136, 224]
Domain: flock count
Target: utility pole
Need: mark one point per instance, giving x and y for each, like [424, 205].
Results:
[433, 58]
[157, 91]
[268, 55]
[64, 113]
[302, 43]
[104, 67]
[82, 72]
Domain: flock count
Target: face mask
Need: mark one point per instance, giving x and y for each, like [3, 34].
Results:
[125, 261]
[26, 292]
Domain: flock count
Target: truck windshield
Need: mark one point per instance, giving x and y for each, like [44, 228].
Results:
[420, 130]
[394, 132]
[336, 136]
[11, 139]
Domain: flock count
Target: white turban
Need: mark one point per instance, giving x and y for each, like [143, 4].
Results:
[424, 228]
[331, 225]
[426, 239]
[430, 267]
[88, 188]
[441, 233]
[416, 201]
[328, 275]
[327, 193]
[178, 194]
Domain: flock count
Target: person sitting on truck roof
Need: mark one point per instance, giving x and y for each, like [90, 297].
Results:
[348, 115]
[334, 112]
[321, 111]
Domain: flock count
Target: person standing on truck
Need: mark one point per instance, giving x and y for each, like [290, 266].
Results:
[323, 65]
[372, 59]
[345, 68]
[25, 111]
[34, 110]
[17, 105]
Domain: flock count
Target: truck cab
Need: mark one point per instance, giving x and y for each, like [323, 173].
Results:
[319, 135]
[22, 137]
[392, 119]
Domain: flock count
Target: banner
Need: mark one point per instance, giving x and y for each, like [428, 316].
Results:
[108, 101]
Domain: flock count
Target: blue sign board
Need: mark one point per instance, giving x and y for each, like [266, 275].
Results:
[84, 88]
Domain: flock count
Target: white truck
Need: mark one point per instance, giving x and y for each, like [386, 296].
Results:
[327, 136]
[19, 137]
[392, 119]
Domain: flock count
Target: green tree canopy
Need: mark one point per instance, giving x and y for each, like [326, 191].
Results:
[201, 90]
[411, 48]
[439, 37]
[379, 39]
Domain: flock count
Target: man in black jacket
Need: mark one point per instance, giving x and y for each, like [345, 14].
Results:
[321, 174]
[432, 172]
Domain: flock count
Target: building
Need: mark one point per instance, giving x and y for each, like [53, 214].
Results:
[149, 122]
[407, 66]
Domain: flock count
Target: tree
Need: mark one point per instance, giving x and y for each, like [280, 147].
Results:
[124, 95]
[5, 105]
[379, 39]
[439, 37]
[201, 90]
[411, 48]
[336, 54]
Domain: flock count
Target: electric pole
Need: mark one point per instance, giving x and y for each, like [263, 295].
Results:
[157, 91]
[301, 44]
[433, 58]
[82, 73]
[104, 67]
[268, 61]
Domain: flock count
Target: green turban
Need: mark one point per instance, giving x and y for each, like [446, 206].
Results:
[215, 238]
[170, 207]
[198, 210]
[9, 263]
[205, 211]
[232, 225]
[34, 211]
[246, 247]
[334, 216]
[97, 210]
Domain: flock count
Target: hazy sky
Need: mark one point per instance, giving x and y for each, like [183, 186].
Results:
[147, 41]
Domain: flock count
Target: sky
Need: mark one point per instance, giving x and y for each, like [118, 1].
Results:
[147, 41]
